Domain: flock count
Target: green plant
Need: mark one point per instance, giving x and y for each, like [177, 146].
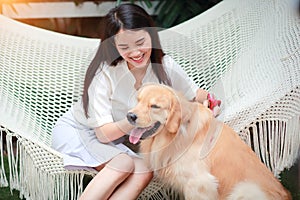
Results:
[5, 192]
[173, 12]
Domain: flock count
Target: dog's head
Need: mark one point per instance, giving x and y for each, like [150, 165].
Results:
[158, 107]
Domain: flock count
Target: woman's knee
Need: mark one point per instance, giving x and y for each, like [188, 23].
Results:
[142, 171]
[122, 163]
[146, 177]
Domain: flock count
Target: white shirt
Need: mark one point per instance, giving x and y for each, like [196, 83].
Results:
[112, 92]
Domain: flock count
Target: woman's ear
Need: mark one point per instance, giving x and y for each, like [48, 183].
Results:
[174, 117]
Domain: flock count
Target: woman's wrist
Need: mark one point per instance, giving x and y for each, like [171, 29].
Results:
[112, 131]
[124, 125]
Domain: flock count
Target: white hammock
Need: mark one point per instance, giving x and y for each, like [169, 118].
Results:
[245, 51]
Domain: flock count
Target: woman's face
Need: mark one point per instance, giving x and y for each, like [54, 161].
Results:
[135, 47]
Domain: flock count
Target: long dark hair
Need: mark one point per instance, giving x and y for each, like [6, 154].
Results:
[127, 17]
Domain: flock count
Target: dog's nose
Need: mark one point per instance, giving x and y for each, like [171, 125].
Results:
[131, 117]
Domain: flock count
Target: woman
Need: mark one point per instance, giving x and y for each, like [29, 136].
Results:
[91, 133]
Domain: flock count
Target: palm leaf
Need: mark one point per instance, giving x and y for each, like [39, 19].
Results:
[147, 2]
[173, 12]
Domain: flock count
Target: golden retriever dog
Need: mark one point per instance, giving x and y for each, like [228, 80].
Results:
[194, 153]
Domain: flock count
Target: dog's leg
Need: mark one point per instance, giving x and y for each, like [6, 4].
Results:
[201, 187]
[247, 191]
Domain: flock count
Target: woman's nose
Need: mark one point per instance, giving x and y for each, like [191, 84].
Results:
[135, 53]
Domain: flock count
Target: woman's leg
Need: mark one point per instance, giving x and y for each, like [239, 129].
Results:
[109, 178]
[135, 183]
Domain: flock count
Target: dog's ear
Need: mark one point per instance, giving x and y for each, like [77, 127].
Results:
[174, 117]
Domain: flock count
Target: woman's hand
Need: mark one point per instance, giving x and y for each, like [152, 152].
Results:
[213, 104]
[208, 100]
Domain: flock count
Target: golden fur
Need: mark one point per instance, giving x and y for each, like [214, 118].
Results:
[231, 170]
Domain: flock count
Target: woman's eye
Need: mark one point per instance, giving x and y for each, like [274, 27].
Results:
[124, 48]
[140, 44]
[154, 106]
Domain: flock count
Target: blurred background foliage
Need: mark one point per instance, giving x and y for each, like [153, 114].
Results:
[173, 12]
[168, 13]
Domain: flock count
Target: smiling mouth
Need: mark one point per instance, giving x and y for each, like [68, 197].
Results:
[139, 133]
[138, 59]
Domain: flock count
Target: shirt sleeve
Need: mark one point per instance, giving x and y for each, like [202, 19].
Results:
[100, 107]
[179, 78]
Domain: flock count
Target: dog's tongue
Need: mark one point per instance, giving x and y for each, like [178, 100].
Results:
[136, 134]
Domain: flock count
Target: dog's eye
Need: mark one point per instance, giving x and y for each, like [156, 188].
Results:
[154, 106]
